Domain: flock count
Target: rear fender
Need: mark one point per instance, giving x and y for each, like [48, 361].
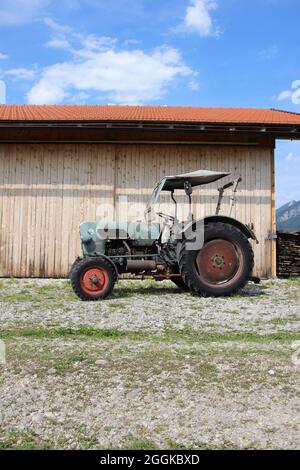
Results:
[245, 229]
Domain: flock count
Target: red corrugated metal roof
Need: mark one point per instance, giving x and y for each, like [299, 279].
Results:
[147, 113]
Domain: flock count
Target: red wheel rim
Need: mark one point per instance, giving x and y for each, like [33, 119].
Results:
[94, 281]
[219, 262]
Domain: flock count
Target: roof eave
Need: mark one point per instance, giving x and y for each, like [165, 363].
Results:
[285, 131]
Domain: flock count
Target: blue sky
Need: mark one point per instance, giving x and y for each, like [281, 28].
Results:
[242, 53]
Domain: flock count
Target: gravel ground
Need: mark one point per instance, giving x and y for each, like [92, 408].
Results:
[151, 367]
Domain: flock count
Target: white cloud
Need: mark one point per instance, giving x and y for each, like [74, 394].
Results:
[296, 84]
[58, 43]
[57, 27]
[284, 95]
[118, 75]
[293, 94]
[61, 32]
[122, 76]
[21, 73]
[3, 56]
[132, 42]
[63, 36]
[15, 12]
[198, 17]
[96, 43]
[291, 157]
[193, 84]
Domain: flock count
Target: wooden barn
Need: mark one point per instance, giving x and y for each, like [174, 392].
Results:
[59, 163]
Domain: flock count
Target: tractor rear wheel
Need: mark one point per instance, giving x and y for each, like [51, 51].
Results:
[180, 283]
[222, 266]
[93, 278]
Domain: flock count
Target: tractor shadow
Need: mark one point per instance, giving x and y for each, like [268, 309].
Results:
[250, 291]
[123, 292]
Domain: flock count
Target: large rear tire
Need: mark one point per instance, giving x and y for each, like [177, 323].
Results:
[92, 278]
[179, 282]
[222, 266]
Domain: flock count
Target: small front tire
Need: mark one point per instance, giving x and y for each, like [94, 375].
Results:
[93, 279]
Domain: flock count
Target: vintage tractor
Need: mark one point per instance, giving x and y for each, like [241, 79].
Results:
[208, 257]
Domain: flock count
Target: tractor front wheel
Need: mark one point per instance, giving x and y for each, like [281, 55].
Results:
[93, 278]
[222, 266]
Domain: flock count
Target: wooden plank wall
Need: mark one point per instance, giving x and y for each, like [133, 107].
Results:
[46, 190]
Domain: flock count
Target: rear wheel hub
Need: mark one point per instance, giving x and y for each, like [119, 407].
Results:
[218, 261]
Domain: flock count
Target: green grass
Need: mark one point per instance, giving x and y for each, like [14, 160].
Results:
[24, 441]
[232, 312]
[64, 364]
[284, 321]
[136, 443]
[199, 446]
[169, 335]
[34, 293]
[12, 281]
[294, 281]
[29, 441]
[31, 292]
[117, 306]
[83, 331]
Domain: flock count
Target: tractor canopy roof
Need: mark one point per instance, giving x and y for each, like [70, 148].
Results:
[170, 183]
[197, 178]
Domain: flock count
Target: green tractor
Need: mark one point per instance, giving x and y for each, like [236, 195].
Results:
[208, 257]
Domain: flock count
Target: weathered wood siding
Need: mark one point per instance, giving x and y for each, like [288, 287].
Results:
[46, 190]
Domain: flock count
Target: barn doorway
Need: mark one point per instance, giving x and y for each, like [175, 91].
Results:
[287, 171]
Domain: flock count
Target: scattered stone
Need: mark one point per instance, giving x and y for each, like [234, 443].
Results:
[133, 394]
[101, 362]
[60, 418]
[150, 389]
[37, 417]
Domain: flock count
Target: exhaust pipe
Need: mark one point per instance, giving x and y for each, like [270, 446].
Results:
[139, 266]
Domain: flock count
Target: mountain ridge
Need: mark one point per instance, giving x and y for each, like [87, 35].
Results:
[288, 217]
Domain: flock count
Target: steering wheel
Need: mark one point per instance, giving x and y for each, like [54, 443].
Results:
[166, 216]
